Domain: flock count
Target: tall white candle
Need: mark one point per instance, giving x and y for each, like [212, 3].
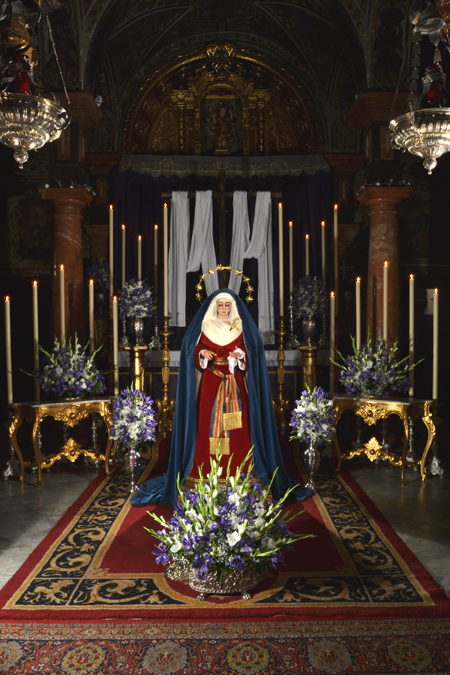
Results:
[435, 342]
[358, 311]
[155, 260]
[385, 299]
[291, 256]
[166, 259]
[139, 257]
[307, 255]
[91, 317]
[123, 255]
[115, 345]
[62, 303]
[332, 338]
[111, 252]
[411, 334]
[280, 257]
[336, 256]
[323, 249]
[35, 337]
[9, 385]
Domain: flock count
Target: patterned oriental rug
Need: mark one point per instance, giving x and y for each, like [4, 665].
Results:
[98, 563]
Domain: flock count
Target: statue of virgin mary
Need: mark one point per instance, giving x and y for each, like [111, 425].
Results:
[223, 403]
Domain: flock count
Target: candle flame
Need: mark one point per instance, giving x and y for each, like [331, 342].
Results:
[323, 223]
[156, 227]
[335, 207]
[290, 223]
[165, 206]
[61, 267]
[280, 205]
[332, 294]
[139, 238]
[34, 283]
[91, 282]
[123, 227]
[358, 280]
[114, 298]
[411, 276]
[386, 264]
[7, 298]
[436, 292]
[110, 207]
[307, 236]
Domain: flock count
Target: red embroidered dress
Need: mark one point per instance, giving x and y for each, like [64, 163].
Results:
[221, 396]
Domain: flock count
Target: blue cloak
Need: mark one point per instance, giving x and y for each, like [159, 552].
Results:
[266, 448]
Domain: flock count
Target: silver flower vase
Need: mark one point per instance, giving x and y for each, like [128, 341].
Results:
[309, 328]
[137, 326]
[229, 584]
[133, 465]
[311, 461]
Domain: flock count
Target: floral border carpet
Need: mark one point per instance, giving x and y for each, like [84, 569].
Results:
[97, 563]
[263, 648]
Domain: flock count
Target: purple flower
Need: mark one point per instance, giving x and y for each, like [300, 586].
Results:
[309, 298]
[136, 299]
[133, 417]
[98, 270]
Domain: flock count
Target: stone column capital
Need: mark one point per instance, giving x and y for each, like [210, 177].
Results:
[383, 197]
[61, 197]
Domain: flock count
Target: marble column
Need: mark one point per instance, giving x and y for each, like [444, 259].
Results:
[68, 204]
[382, 203]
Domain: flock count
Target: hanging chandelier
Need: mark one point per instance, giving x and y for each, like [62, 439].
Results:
[425, 129]
[27, 120]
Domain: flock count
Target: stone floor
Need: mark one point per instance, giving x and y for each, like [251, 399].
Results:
[420, 513]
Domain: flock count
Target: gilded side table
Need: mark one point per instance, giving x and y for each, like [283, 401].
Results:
[373, 410]
[70, 412]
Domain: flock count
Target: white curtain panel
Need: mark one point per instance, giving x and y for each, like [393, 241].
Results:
[241, 236]
[178, 255]
[202, 243]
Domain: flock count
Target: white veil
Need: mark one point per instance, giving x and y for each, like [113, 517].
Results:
[221, 332]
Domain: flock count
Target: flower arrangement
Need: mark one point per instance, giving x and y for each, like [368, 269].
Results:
[136, 299]
[98, 270]
[69, 371]
[313, 417]
[224, 526]
[373, 370]
[133, 417]
[309, 298]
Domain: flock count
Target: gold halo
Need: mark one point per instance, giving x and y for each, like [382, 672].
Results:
[221, 268]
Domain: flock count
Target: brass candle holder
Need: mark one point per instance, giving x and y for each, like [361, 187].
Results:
[165, 406]
[281, 404]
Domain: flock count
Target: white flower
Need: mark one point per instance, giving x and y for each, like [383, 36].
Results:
[233, 538]
[176, 547]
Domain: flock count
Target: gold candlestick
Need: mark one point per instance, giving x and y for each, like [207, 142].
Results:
[165, 406]
[281, 404]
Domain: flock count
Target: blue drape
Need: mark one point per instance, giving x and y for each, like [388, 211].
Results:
[266, 451]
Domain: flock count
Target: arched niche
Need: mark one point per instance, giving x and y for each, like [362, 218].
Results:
[220, 101]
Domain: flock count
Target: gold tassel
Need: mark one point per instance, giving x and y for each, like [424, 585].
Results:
[232, 420]
[223, 444]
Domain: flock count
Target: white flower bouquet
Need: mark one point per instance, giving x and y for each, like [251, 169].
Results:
[313, 418]
[225, 525]
[69, 372]
[136, 299]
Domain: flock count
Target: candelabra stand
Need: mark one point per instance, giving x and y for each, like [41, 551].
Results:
[124, 342]
[292, 342]
[436, 468]
[155, 342]
[165, 406]
[280, 404]
[137, 358]
[309, 365]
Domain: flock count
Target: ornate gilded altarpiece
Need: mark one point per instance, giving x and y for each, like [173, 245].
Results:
[221, 102]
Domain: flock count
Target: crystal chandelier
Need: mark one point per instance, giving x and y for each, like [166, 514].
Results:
[27, 121]
[425, 129]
